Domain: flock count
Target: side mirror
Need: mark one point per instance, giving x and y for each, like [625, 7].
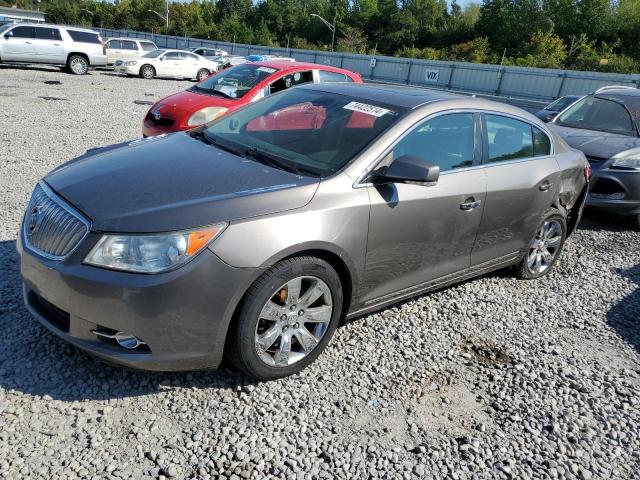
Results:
[408, 169]
[7, 36]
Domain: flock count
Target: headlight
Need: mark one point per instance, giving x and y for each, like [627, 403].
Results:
[205, 115]
[131, 63]
[629, 161]
[151, 253]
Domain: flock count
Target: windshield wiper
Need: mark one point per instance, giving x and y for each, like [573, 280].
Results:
[276, 162]
[201, 135]
[210, 91]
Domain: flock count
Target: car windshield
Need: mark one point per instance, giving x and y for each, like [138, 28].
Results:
[5, 27]
[237, 81]
[594, 113]
[560, 104]
[305, 131]
[153, 54]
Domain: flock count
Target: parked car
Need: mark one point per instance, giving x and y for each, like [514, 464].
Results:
[233, 88]
[168, 64]
[76, 49]
[606, 127]
[127, 48]
[236, 60]
[552, 110]
[264, 58]
[208, 53]
[256, 234]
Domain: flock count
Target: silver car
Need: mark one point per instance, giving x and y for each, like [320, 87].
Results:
[76, 49]
[256, 234]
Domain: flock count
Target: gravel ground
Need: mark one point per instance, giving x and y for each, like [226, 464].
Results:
[494, 378]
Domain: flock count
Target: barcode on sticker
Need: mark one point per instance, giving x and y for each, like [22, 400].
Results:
[366, 108]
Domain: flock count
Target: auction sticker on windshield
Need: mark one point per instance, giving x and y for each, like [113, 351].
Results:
[366, 108]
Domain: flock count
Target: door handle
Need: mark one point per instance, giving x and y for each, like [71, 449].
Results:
[470, 205]
[27, 43]
[545, 187]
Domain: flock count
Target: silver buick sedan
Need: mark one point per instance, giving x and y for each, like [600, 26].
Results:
[254, 235]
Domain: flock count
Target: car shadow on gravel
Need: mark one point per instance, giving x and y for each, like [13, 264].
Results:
[598, 221]
[624, 317]
[36, 362]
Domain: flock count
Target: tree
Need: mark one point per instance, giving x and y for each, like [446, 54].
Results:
[352, 39]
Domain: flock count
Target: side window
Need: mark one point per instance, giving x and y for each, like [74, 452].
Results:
[446, 140]
[509, 139]
[172, 56]
[22, 32]
[541, 143]
[84, 37]
[188, 56]
[328, 77]
[43, 33]
[114, 44]
[290, 80]
[129, 45]
[147, 46]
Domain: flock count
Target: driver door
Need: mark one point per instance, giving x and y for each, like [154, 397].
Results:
[421, 233]
[18, 45]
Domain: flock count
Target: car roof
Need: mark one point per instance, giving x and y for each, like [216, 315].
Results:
[399, 95]
[132, 39]
[53, 25]
[289, 65]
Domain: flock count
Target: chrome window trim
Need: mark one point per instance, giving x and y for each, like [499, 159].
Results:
[65, 206]
[358, 183]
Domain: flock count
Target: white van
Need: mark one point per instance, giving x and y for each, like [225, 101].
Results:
[127, 48]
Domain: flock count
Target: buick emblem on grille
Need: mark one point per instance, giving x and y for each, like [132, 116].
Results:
[35, 219]
[156, 114]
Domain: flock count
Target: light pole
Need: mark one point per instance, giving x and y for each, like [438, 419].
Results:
[164, 17]
[89, 12]
[330, 26]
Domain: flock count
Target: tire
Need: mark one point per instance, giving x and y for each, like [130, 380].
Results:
[202, 74]
[272, 305]
[147, 71]
[77, 65]
[545, 246]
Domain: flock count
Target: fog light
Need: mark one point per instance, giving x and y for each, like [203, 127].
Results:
[125, 340]
[128, 341]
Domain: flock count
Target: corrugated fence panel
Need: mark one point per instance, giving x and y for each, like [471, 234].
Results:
[527, 83]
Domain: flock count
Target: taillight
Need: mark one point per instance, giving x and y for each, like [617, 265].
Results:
[587, 173]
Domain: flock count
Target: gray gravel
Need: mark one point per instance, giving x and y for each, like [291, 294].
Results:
[494, 378]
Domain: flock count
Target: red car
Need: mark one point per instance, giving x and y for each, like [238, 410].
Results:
[231, 89]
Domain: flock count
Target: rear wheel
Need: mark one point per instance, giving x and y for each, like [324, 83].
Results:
[77, 64]
[202, 74]
[545, 246]
[287, 318]
[147, 71]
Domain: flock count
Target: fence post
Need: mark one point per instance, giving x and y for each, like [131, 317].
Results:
[500, 75]
[315, 56]
[408, 79]
[453, 69]
[341, 60]
[564, 77]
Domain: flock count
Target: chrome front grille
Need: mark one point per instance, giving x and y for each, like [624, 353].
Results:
[51, 227]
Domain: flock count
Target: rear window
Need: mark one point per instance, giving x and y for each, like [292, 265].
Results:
[328, 77]
[594, 113]
[148, 46]
[84, 37]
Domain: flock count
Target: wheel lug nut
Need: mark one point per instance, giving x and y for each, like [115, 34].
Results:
[292, 308]
[283, 318]
[301, 312]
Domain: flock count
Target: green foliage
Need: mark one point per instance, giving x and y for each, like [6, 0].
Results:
[602, 35]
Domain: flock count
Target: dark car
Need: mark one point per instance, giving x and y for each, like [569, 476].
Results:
[552, 110]
[255, 234]
[606, 127]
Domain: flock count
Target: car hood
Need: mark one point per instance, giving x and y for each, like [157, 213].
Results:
[601, 145]
[192, 102]
[174, 182]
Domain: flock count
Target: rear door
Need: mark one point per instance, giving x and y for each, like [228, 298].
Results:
[417, 233]
[18, 45]
[522, 178]
[48, 45]
[129, 49]
[190, 64]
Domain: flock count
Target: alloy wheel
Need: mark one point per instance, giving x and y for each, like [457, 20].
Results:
[147, 72]
[78, 66]
[544, 247]
[293, 321]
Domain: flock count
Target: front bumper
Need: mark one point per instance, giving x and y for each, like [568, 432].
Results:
[126, 69]
[617, 191]
[182, 315]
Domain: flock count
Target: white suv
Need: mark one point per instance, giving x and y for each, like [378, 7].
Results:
[127, 48]
[74, 48]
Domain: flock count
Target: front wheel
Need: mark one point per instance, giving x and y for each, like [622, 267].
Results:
[78, 65]
[147, 71]
[202, 74]
[287, 318]
[545, 246]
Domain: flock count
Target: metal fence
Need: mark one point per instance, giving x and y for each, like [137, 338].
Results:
[534, 84]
